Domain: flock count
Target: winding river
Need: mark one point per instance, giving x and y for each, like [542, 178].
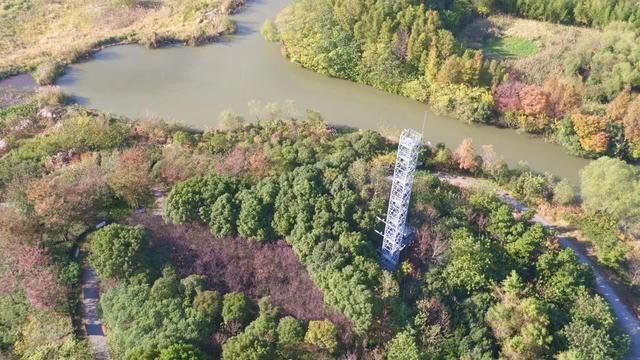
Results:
[193, 85]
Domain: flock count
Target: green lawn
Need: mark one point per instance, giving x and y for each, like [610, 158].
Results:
[510, 47]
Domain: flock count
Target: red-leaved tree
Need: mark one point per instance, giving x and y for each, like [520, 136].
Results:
[507, 96]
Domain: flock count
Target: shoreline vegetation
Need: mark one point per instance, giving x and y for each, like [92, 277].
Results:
[577, 87]
[43, 37]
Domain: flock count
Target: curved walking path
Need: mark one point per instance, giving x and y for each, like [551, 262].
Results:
[626, 318]
[91, 322]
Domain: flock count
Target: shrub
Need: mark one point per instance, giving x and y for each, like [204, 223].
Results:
[228, 25]
[270, 31]
[415, 89]
[610, 250]
[47, 72]
[469, 104]
[124, 3]
[530, 187]
[51, 96]
[564, 193]
[229, 121]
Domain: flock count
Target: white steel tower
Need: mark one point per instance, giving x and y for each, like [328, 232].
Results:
[396, 233]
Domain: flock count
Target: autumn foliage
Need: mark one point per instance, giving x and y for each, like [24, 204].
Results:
[534, 100]
[465, 155]
[130, 179]
[631, 123]
[31, 270]
[69, 197]
[591, 131]
[507, 96]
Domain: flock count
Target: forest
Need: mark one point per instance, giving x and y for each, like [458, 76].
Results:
[256, 239]
[266, 247]
[588, 102]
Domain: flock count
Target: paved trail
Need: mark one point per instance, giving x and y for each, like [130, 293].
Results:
[90, 315]
[626, 318]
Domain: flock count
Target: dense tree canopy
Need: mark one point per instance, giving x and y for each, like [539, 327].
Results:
[401, 47]
[286, 208]
[118, 251]
[157, 316]
[585, 12]
[613, 187]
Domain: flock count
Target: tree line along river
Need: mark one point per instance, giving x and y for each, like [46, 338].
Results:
[193, 85]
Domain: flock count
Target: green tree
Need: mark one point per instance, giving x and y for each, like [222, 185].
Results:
[290, 335]
[403, 347]
[613, 187]
[193, 199]
[167, 286]
[256, 342]
[470, 262]
[209, 304]
[118, 251]
[322, 334]
[223, 216]
[235, 307]
[253, 218]
[181, 352]
[139, 317]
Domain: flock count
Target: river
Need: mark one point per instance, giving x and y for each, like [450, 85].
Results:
[192, 85]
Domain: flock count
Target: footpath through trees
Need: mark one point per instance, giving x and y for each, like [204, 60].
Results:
[627, 320]
[91, 322]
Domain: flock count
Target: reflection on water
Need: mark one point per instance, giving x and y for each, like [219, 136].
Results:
[192, 85]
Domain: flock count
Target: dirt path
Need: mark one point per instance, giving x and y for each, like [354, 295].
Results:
[90, 311]
[627, 320]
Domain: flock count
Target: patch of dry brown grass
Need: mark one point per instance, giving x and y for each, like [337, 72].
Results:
[64, 31]
[555, 43]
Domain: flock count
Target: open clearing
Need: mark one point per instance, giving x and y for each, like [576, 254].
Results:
[532, 49]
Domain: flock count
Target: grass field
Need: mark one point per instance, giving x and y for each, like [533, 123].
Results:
[38, 31]
[510, 47]
[532, 49]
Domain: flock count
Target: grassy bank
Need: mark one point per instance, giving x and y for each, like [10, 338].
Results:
[52, 34]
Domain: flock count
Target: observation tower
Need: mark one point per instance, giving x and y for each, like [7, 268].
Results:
[396, 232]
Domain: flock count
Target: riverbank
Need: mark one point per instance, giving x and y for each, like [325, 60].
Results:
[419, 54]
[62, 33]
[249, 76]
